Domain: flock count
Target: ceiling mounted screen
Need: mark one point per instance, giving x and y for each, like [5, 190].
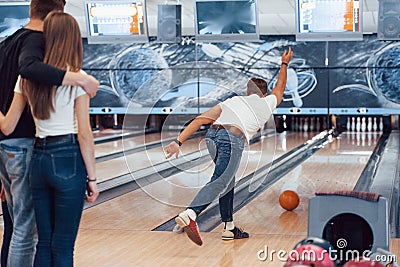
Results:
[333, 20]
[226, 21]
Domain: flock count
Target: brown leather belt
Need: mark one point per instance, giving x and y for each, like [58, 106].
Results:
[232, 129]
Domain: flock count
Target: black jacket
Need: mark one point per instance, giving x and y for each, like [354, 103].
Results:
[22, 54]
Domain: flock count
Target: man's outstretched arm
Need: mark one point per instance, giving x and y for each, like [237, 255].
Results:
[87, 82]
[32, 68]
[206, 118]
[281, 83]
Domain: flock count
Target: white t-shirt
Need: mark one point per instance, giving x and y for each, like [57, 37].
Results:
[248, 113]
[63, 120]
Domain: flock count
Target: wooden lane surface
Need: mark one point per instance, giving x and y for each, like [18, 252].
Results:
[121, 245]
[336, 167]
[145, 209]
[148, 249]
[117, 248]
[107, 132]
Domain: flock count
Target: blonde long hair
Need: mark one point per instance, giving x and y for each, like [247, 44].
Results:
[63, 50]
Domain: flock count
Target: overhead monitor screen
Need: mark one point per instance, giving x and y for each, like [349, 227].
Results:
[116, 21]
[221, 20]
[321, 20]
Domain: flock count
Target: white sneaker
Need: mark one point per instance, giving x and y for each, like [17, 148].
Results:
[177, 229]
[190, 227]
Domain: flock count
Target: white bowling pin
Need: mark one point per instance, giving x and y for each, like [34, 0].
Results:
[348, 124]
[318, 125]
[375, 125]
[363, 124]
[369, 125]
[353, 124]
[301, 124]
[381, 124]
[358, 124]
[312, 124]
[325, 123]
[305, 126]
[294, 124]
[284, 122]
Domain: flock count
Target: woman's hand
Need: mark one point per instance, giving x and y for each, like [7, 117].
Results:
[92, 192]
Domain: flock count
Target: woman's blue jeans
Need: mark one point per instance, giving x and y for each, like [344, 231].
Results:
[58, 179]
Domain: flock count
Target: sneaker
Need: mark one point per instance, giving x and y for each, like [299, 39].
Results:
[190, 227]
[177, 229]
[236, 233]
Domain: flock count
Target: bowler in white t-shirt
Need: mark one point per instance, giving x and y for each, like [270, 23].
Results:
[234, 122]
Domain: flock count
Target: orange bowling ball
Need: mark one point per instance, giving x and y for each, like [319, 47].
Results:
[289, 200]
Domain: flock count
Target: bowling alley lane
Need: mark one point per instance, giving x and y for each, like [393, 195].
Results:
[156, 203]
[125, 143]
[105, 134]
[334, 167]
[110, 169]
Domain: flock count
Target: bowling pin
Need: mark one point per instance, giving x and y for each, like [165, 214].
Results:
[282, 139]
[284, 122]
[305, 126]
[363, 124]
[318, 125]
[369, 126]
[353, 124]
[325, 123]
[358, 124]
[375, 125]
[381, 124]
[301, 124]
[348, 124]
[312, 124]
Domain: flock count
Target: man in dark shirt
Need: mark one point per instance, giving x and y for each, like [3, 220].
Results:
[22, 54]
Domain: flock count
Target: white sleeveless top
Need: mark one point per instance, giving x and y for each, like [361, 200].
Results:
[63, 119]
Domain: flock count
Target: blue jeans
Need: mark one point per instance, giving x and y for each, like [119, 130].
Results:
[226, 150]
[58, 182]
[15, 158]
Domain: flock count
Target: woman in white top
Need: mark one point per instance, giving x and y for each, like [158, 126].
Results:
[63, 164]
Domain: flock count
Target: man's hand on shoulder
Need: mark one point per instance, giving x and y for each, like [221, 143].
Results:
[90, 85]
[87, 82]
